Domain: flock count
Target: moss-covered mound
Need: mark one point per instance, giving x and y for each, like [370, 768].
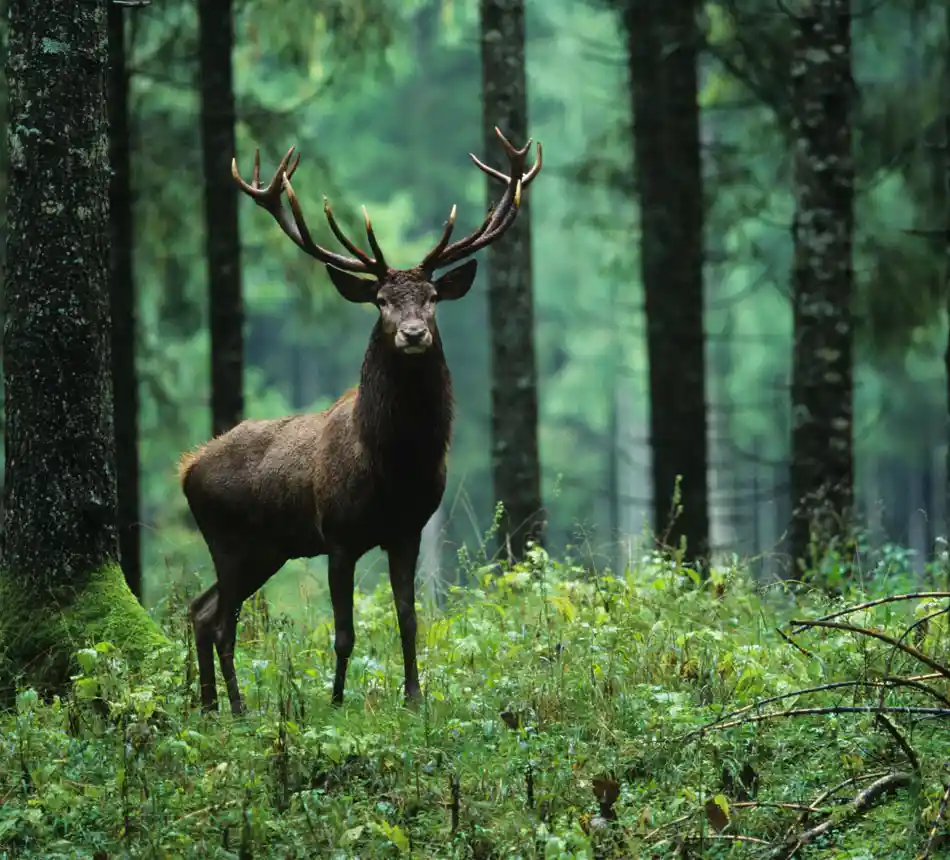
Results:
[40, 633]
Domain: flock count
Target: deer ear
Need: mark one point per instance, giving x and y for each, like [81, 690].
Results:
[352, 288]
[456, 283]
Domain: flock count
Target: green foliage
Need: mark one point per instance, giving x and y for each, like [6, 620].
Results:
[39, 632]
[562, 718]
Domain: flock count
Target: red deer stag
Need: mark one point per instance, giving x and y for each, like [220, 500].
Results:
[367, 472]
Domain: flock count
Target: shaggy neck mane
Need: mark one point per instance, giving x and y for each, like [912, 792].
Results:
[404, 403]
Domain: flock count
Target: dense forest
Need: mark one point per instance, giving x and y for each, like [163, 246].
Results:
[682, 593]
[369, 113]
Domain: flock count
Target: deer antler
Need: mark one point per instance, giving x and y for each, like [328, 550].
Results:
[499, 218]
[270, 198]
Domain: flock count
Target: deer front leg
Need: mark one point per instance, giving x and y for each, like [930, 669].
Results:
[402, 577]
[341, 568]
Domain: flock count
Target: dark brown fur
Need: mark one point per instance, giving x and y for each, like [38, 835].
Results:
[367, 472]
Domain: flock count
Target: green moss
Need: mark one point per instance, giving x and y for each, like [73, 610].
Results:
[38, 638]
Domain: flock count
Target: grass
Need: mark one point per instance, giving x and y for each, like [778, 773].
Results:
[562, 719]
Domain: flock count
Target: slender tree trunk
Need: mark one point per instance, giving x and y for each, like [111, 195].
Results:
[124, 378]
[946, 206]
[223, 246]
[516, 467]
[59, 584]
[822, 471]
[662, 40]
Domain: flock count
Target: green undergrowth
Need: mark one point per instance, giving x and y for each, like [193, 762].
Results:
[560, 719]
[39, 637]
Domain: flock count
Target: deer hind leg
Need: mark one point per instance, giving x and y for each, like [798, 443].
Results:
[240, 574]
[203, 612]
[226, 641]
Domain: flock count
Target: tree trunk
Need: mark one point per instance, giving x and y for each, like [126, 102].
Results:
[124, 379]
[60, 586]
[822, 282]
[516, 468]
[662, 40]
[223, 246]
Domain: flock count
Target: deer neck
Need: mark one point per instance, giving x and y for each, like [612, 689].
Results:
[404, 405]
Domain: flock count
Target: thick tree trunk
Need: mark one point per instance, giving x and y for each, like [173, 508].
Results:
[124, 379]
[223, 246]
[516, 467]
[663, 39]
[59, 584]
[822, 282]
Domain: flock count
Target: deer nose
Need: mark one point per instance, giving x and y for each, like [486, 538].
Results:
[413, 332]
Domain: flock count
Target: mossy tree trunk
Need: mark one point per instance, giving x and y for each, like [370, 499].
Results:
[222, 239]
[122, 303]
[662, 41]
[60, 586]
[516, 462]
[822, 472]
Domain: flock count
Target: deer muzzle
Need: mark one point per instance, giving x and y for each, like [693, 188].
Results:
[413, 337]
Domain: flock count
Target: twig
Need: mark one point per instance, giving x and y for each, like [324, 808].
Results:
[742, 804]
[835, 685]
[753, 804]
[862, 802]
[916, 653]
[915, 684]
[793, 643]
[917, 595]
[894, 732]
[932, 838]
[851, 780]
[837, 709]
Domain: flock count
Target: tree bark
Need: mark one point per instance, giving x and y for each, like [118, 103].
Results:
[516, 467]
[124, 378]
[822, 471]
[662, 41]
[59, 584]
[223, 245]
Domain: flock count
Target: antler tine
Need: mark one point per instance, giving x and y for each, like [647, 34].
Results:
[373, 244]
[499, 219]
[270, 198]
[343, 238]
[441, 244]
[497, 174]
[313, 249]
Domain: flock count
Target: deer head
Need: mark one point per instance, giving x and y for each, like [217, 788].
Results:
[406, 298]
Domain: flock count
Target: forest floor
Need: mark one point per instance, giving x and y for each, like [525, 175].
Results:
[566, 715]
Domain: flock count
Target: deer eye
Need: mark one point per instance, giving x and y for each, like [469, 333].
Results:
[381, 302]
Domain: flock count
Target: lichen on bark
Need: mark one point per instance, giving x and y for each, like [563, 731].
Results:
[822, 281]
[58, 550]
[515, 457]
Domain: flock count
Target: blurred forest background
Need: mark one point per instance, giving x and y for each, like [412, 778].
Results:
[383, 101]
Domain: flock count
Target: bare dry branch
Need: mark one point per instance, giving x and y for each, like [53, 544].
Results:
[916, 595]
[894, 732]
[862, 802]
[916, 653]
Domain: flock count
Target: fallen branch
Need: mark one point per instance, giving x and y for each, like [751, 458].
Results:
[862, 802]
[851, 780]
[741, 804]
[917, 595]
[932, 838]
[901, 741]
[836, 709]
[886, 683]
[916, 653]
[794, 644]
